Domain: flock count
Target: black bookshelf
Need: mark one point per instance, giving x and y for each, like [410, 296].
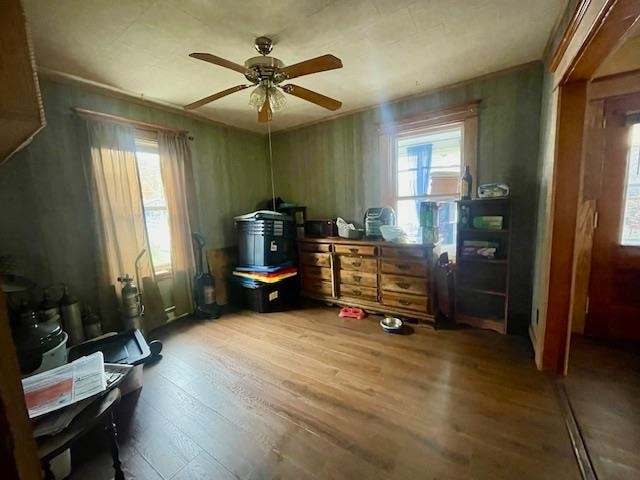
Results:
[482, 283]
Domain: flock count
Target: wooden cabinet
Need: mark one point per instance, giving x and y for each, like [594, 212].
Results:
[21, 113]
[380, 277]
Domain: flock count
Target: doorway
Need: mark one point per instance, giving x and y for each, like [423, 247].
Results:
[603, 381]
[613, 308]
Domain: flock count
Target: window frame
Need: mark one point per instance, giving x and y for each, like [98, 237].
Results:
[633, 122]
[415, 133]
[147, 142]
[428, 122]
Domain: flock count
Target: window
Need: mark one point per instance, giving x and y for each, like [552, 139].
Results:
[428, 157]
[154, 202]
[631, 216]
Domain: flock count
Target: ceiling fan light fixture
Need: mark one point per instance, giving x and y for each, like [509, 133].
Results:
[266, 73]
[277, 99]
[257, 97]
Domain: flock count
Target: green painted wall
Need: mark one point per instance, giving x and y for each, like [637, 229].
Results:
[545, 179]
[333, 167]
[44, 210]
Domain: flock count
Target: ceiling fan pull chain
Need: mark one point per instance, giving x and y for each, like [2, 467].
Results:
[273, 185]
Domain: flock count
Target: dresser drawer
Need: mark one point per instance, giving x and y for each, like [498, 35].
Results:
[403, 267]
[353, 277]
[405, 252]
[316, 286]
[358, 263]
[356, 249]
[314, 247]
[317, 259]
[322, 273]
[357, 291]
[410, 302]
[403, 284]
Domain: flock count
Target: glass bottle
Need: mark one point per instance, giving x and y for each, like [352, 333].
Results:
[466, 184]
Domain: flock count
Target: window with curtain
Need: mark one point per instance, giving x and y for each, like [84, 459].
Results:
[138, 182]
[427, 157]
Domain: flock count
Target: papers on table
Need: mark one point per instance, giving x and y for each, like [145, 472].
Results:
[54, 389]
[59, 420]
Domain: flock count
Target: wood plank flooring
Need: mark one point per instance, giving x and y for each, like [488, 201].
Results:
[305, 394]
[603, 386]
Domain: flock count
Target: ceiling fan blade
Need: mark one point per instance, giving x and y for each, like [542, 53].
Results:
[314, 65]
[207, 57]
[311, 96]
[265, 114]
[215, 96]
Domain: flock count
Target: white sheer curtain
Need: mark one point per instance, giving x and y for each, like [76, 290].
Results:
[175, 164]
[117, 202]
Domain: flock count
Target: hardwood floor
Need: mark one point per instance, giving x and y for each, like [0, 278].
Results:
[305, 394]
[603, 386]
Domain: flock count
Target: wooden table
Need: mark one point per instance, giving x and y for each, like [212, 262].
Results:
[100, 411]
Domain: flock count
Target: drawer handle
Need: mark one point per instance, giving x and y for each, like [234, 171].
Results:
[353, 250]
[357, 278]
[356, 264]
[357, 292]
[403, 285]
[401, 266]
[404, 302]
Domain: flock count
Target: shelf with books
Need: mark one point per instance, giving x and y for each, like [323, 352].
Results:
[482, 271]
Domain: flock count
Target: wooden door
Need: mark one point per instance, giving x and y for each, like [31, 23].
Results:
[614, 291]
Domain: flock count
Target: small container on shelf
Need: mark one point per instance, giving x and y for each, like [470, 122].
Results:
[488, 222]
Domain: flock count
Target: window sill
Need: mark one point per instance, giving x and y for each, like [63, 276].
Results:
[164, 275]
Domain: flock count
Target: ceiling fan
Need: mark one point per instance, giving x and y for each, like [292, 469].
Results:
[268, 73]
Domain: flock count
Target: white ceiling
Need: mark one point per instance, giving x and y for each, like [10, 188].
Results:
[389, 48]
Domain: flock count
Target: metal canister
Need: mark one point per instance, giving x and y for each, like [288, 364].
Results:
[49, 309]
[92, 325]
[131, 304]
[72, 317]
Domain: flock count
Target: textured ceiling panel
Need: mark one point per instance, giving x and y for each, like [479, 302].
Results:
[390, 48]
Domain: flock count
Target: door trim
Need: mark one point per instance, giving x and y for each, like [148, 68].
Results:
[603, 25]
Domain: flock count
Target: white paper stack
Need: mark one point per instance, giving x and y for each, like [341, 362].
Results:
[54, 389]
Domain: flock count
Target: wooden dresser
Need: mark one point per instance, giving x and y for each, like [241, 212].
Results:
[381, 277]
